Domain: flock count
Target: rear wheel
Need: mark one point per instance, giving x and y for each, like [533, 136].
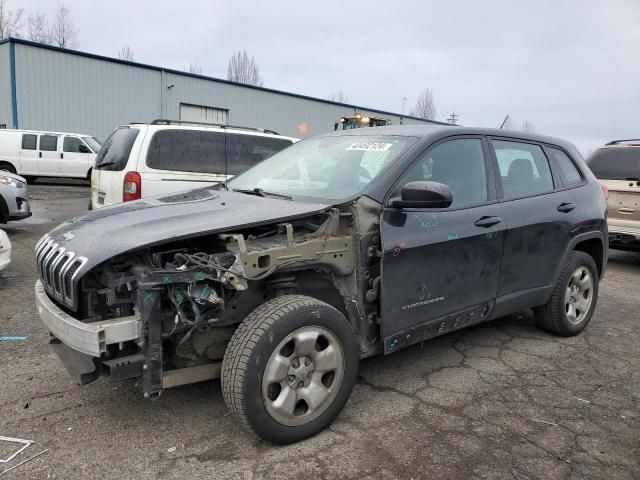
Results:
[7, 167]
[574, 297]
[289, 368]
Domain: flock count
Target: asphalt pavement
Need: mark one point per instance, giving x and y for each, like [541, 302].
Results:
[502, 400]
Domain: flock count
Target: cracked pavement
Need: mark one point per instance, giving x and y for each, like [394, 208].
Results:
[501, 400]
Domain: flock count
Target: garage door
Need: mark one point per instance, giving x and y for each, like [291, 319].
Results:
[199, 113]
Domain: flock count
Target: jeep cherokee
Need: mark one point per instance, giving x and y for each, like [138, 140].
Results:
[342, 246]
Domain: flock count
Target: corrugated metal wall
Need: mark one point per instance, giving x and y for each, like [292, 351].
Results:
[63, 92]
[5, 86]
[66, 91]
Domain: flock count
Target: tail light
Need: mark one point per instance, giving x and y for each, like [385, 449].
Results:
[605, 190]
[132, 187]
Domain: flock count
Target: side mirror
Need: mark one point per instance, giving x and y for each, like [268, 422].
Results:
[424, 195]
[83, 149]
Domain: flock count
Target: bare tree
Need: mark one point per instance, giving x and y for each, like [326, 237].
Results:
[528, 127]
[11, 22]
[243, 69]
[195, 68]
[425, 105]
[38, 28]
[338, 96]
[63, 31]
[126, 53]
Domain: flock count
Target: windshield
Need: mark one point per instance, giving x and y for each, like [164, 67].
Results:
[93, 143]
[325, 167]
[615, 163]
[114, 154]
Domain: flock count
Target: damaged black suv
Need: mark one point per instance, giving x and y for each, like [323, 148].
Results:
[340, 247]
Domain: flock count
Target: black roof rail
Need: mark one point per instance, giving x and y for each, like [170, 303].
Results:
[615, 142]
[164, 121]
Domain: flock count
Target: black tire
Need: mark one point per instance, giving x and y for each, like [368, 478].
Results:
[256, 341]
[89, 175]
[553, 316]
[8, 167]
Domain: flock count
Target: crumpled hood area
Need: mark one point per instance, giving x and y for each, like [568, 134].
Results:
[105, 233]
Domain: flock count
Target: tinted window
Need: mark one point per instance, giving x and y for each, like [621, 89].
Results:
[187, 151]
[570, 174]
[615, 163]
[115, 151]
[29, 142]
[244, 151]
[524, 169]
[48, 143]
[71, 144]
[459, 164]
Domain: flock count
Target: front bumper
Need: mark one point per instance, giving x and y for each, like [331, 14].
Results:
[88, 338]
[16, 202]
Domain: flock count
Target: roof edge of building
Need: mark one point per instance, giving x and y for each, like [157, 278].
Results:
[94, 56]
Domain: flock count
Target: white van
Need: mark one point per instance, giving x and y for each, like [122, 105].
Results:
[35, 154]
[142, 160]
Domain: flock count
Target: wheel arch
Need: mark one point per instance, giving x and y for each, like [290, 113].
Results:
[593, 247]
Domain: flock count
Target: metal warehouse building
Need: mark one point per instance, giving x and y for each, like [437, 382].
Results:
[49, 88]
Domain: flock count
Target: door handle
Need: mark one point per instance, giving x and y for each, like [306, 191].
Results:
[566, 207]
[61, 155]
[487, 221]
[40, 154]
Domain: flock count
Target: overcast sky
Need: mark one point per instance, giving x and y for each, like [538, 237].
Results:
[570, 67]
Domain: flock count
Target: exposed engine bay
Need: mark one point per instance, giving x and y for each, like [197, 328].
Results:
[191, 293]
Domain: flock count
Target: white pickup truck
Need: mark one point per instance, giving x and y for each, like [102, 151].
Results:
[35, 154]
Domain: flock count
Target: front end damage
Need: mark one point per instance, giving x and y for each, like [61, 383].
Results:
[164, 314]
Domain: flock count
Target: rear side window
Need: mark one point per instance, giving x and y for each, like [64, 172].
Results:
[29, 142]
[524, 169]
[71, 144]
[244, 151]
[48, 143]
[187, 151]
[615, 163]
[115, 151]
[570, 173]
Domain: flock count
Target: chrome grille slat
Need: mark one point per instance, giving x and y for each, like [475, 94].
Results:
[58, 270]
[48, 261]
[56, 266]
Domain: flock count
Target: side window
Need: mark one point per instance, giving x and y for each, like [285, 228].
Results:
[459, 164]
[524, 169]
[48, 143]
[570, 174]
[29, 141]
[187, 151]
[71, 145]
[244, 151]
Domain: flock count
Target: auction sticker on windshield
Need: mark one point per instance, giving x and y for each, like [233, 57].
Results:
[370, 146]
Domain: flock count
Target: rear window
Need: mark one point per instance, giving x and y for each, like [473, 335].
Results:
[115, 151]
[615, 163]
[244, 151]
[187, 151]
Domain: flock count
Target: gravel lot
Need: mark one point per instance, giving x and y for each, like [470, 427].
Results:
[502, 400]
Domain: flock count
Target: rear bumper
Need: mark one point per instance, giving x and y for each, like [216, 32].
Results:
[88, 338]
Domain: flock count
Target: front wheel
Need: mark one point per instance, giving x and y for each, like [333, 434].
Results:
[574, 297]
[289, 368]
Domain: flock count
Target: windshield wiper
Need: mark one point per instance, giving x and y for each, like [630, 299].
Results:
[261, 193]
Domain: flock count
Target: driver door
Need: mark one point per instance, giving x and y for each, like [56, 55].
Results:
[440, 267]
